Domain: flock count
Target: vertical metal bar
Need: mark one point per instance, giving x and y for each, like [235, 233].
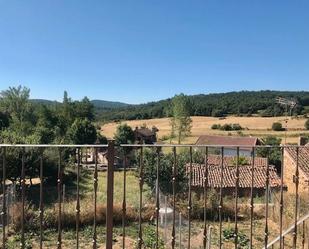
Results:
[251, 197]
[190, 200]
[3, 213]
[281, 199]
[77, 217]
[221, 198]
[267, 200]
[174, 196]
[236, 199]
[296, 198]
[180, 243]
[124, 201]
[59, 190]
[95, 189]
[205, 198]
[110, 196]
[23, 199]
[41, 201]
[157, 198]
[303, 235]
[141, 184]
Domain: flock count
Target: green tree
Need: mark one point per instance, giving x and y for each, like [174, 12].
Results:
[277, 127]
[124, 135]
[82, 131]
[273, 153]
[84, 109]
[15, 102]
[4, 120]
[307, 124]
[101, 139]
[180, 120]
[150, 158]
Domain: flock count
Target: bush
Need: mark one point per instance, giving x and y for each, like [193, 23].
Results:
[216, 126]
[50, 219]
[227, 127]
[307, 124]
[236, 127]
[277, 127]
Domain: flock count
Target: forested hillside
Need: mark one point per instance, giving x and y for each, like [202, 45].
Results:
[243, 103]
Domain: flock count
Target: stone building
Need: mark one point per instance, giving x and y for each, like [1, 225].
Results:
[289, 169]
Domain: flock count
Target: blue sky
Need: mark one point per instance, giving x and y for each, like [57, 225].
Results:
[138, 51]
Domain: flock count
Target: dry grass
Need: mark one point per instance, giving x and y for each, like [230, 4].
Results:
[254, 126]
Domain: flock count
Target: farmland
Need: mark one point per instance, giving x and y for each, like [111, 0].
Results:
[253, 126]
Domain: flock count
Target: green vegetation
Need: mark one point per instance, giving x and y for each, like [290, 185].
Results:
[277, 127]
[273, 153]
[25, 122]
[307, 124]
[181, 123]
[124, 135]
[243, 103]
[227, 127]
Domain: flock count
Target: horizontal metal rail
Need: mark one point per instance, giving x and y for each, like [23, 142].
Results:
[287, 231]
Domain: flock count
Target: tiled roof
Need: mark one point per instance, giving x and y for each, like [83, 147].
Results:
[303, 158]
[244, 142]
[229, 174]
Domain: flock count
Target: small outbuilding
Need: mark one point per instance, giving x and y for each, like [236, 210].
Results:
[230, 143]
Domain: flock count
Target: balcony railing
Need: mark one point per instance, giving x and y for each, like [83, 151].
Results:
[244, 183]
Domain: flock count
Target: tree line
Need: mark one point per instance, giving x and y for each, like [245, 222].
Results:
[25, 122]
[244, 103]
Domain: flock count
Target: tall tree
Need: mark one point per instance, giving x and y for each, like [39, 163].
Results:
[15, 102]
[82, 131]
[181, 123]
[124, 135]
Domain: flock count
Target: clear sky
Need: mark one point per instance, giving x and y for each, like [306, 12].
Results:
[138, 51]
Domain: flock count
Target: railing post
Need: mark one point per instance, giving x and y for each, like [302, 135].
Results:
[110, 195]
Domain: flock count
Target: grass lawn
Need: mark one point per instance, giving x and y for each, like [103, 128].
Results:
[86, 232]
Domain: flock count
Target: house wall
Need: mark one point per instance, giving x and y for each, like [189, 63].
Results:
[289, 170]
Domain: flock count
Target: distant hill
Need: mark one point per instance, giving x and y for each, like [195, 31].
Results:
[243, 103]
[44, 101]
[107, 104]
[98, 104]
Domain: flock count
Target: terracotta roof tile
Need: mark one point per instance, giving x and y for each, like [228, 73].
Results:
[229, 174]
[244, 142]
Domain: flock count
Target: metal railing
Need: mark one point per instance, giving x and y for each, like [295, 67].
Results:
[139, 150]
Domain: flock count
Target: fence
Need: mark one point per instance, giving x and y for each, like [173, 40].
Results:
[208, 178]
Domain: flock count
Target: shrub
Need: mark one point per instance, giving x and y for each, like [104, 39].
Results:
[242, 160]
[50, 219]
[277, 127]
[307, 124]
[236, 127]
[216, 126]
[227, 127]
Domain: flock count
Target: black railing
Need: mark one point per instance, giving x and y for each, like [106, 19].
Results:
[207, 178]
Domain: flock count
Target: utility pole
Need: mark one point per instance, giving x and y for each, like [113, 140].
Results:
[287, 103]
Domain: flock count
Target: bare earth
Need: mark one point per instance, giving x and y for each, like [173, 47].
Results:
[254, 126]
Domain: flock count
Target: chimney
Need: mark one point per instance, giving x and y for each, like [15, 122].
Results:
[302, 141]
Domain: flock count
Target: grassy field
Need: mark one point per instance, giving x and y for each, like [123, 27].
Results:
[253, 126]
[86, 231]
